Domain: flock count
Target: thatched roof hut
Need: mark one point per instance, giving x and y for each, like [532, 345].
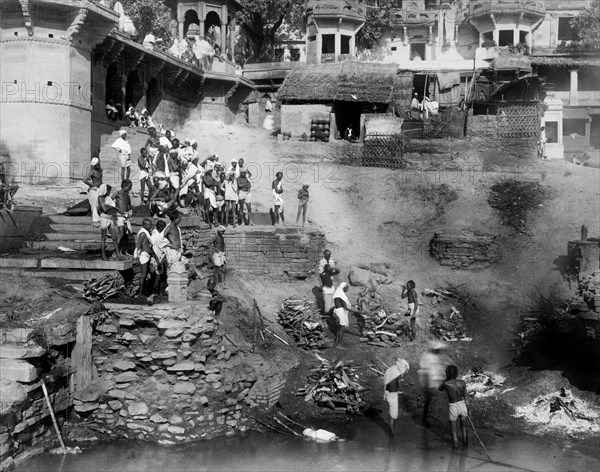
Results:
[362, 82]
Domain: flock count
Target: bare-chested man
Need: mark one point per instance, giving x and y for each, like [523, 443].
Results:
[173, 250]
[124, 212]
[108, 220]
[143, 251]
[456, 389]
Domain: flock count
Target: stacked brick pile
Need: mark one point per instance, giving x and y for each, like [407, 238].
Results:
[167, 375]
[24, 415]
[464, 248]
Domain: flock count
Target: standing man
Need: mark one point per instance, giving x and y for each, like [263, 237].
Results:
[143, 252]
[145, 171]
[124, 212]
[93, 181]
[231, 199]
[123, 149]
[542, 143]
[277, 190]
[326, 260]
[431, 375]
[172, 233]
[210, 196]
[108, 220]
[152, 143]
[218, 256]
[456, 389]
[244, 193]
[409, 291]
[328, 289]
[340, 312]
[415, 108]
[303, 198]
[391, 389]
[217, 300]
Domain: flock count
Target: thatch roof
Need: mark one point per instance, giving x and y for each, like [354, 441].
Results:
[350, 81]
[566, 61]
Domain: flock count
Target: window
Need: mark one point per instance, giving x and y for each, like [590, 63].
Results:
[551, 131]
[588, 79]
[565, 32]
[506, 38]
[417, 52]
[328, 46]
[574, 126]
[345, 44]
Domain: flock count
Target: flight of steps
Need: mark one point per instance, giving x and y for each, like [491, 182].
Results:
[137, 138]
[75, 232]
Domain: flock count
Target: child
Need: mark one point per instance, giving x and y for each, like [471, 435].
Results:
[409, 291]
[303, 198]
[456, 389]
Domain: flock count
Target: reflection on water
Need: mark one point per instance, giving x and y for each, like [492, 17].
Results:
[368, 448]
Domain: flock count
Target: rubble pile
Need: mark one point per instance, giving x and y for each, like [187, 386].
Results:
[449, 325]
[334, 385]
[167, 375]
[301, 320]
[482, 384]
[561, 412]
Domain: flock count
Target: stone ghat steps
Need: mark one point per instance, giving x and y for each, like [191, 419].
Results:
[57, 263]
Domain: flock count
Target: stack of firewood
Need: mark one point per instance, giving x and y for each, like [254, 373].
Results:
[301, 320]
[449, 325]
[383, 329]
[105, 287]
[334, 385]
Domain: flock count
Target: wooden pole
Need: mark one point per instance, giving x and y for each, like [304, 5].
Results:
[478, 439]
[82, 355]
[60, 439]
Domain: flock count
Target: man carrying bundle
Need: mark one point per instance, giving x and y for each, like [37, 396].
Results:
[391, 389]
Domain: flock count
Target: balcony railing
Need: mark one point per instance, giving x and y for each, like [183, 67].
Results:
[535, 9]
[337, 8]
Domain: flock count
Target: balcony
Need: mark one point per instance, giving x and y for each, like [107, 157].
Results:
[520, 12]
[344, 9]
[413, 15]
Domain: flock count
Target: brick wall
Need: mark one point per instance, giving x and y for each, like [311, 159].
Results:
[464, 248]
[259, 249]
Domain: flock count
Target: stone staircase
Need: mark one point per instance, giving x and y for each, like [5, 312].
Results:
[74, 232]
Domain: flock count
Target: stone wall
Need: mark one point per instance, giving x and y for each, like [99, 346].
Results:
[464, 248]
[168, 374]
[25, 421]
[258, 249]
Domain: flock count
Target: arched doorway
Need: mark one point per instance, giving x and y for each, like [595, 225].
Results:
[153, 96]
[114, 83]
[213, 20]
[134, 89]
[191, 16]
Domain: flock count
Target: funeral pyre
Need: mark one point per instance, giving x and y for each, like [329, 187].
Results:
[483, 384]
[379, 326]
[561, 412]
[334, 385]
[447, 323]
[301, 320]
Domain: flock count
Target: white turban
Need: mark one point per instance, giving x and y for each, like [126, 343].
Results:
[162, 184]
[122, 133]
[193, 141]
[94, 161]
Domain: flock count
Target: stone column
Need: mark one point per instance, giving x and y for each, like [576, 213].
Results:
[496, 36]
[319, 47]
[405, 38]
[338, 45]
[223, 39]
[180, 20]
[353, 45]
[201, 17]
[574, 89]
[516, 36]
[232, 32]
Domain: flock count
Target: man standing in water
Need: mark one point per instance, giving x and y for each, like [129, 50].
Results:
[456, 389]
[391, 389]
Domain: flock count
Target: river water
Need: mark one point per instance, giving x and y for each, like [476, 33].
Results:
[367, 448]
